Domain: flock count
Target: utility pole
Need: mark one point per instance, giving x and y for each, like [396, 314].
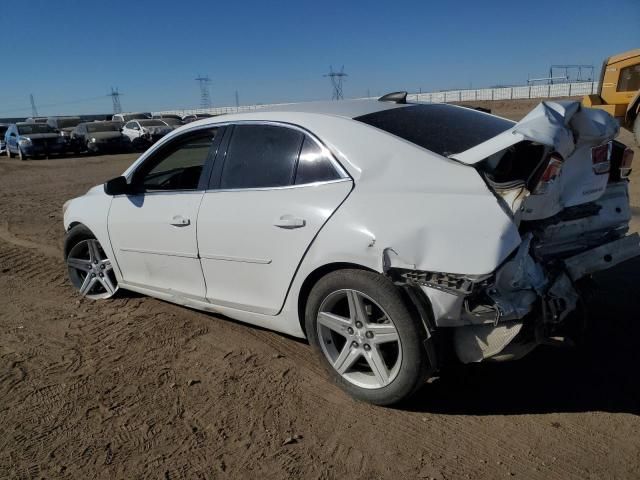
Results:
[115, 97]
[237, 100]
[34, 110]
[336, 82]
[205, 98]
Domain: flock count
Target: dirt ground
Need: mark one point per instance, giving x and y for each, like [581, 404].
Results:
[138, 388]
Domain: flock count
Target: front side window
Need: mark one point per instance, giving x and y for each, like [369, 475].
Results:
[261, 156]
[629, 80]
[178, 165]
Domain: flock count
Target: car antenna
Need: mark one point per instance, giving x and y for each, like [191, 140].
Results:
[396, 97]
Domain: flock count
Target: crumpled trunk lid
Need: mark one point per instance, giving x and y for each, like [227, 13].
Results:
[563, 125]
[565, 128]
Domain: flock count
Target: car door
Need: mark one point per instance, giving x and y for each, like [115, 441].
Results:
[272, 190]
[153, 229]
[12, 141]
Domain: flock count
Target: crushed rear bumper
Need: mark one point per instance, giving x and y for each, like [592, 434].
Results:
[603, 257]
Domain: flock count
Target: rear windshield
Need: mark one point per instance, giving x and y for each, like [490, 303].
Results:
[152, 123]
[102, 127]
[68, 122]
[34, 128]
[443, 129]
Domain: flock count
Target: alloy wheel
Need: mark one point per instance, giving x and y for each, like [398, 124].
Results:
[91, 271]
[359, 339]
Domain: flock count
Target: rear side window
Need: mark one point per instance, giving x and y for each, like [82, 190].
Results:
[261, 156]
[314, 165]
[440, 128]
[629, 79]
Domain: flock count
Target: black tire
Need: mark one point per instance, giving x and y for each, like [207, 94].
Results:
[9, 154]
[75, 235]
[21, 155]
[414, 367]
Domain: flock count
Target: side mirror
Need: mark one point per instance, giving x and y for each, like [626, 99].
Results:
[117, 186]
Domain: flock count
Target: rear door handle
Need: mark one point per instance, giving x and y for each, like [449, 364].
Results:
[179, 221]
[290, 222]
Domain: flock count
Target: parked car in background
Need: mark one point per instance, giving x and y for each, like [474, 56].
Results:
[32, 140]
[65, 125]
[100, 137]
[196, 116]
[143, 133]
[3, 129]
[36, 120]
[172, 122]
[164, 116]
[395, 236]
[125, 117]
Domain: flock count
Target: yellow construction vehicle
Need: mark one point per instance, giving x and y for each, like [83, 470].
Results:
[620, 90]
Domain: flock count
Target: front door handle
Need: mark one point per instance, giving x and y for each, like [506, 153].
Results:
[179, 221]
[289, 222]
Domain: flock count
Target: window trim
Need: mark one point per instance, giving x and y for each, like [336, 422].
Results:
[206, 167]
[214, 182]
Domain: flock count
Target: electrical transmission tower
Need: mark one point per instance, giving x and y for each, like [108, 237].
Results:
[34, 110]
[336, 82]
[115, 97]
[205, 98]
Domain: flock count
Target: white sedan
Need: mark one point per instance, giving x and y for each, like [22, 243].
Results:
[385, 232]
[144, 132]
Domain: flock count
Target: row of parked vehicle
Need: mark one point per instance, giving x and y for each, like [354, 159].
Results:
[45, 136]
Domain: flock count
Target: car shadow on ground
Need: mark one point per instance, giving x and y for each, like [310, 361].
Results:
[602, 376]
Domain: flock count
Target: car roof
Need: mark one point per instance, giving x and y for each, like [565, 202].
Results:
[342, 108]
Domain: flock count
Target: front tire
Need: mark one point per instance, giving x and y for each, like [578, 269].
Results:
[89, 268]
[21, 155]
[366, 336]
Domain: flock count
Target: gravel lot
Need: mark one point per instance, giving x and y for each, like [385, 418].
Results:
[138, 388]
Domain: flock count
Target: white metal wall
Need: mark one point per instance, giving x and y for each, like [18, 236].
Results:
[505, 93]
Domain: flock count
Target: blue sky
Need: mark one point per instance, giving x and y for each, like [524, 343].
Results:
[69, 53]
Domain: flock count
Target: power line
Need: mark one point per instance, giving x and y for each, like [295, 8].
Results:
[336, 82]
[57, 104]
[205, 97]
[115, 97]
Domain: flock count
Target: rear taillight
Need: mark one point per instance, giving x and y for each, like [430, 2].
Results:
[550, 174]
[601, 158]
[625, 166]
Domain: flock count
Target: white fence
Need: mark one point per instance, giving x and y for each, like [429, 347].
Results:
[509, 93]
[503, 93]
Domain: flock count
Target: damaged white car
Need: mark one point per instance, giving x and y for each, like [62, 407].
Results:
[387, 233]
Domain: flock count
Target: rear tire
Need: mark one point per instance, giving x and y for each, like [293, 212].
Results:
[9, 154]
[366, 336]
